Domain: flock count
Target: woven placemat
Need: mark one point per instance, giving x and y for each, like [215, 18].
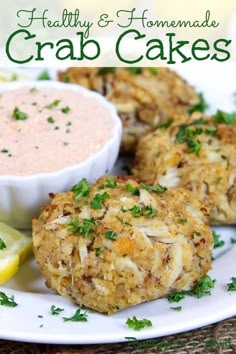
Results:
[217, 338]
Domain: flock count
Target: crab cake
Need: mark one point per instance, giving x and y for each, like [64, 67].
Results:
[118, 243]
[144, 97]
[199, 155]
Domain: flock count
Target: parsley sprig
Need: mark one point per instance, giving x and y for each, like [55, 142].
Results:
[136, 324]
[79, 316]
[137, 211]
[7, 300]
[202, 288]
[19, 115]
[2, 244]
[86, 228]
[224, 117]
[201, 106]
[55, 310]
[232, 285]
[110, 183]
[157, 189]
[96, 203]
[81, 189]
[217, 241]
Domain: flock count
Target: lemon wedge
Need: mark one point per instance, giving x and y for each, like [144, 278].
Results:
[14, 248]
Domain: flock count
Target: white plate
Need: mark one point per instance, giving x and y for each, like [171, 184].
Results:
[31, 320]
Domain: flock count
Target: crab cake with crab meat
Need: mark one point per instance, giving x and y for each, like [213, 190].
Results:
[118, 243]
[199, 155]
[143, 97]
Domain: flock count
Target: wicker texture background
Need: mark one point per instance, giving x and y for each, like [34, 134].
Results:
[217, 338]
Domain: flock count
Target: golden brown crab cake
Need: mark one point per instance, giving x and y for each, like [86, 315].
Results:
[144, 97]
[118, 243]
[199, 155]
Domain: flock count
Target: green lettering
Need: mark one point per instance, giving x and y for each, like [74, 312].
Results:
[173, 49]
[138, 36]
[69, 46]
[88, 43]
[9, 43]
[160, 48]
[220, 50]
[198, 47]
[40, 47]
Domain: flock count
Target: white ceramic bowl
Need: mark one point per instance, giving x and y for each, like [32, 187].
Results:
[22, 197]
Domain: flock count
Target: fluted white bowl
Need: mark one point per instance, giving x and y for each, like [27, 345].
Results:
[22, 197]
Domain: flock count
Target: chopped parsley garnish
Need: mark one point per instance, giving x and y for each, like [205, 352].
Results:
[153, 70]
[44, 75]
[135, 70]
[136, 324]
[233, 241]
[194, 146]
[4, 151]
[110, 183]
[197, 233]
[18, 115]
[66, 78]
[176, 297]
[217, 242]
[65, 110]
[201, 106]
[211, 131]
[86, 228]
[232, 285]
[224, 117]
[50, 120]
[123, 221]
[79, 316]
[81, 189]
[111, 235]
[166, 124]
[7, 300]
[2, 244]
[53, 104]
[98, 251]
[131, 189]
[219, 179]
[106, 70]
[183, 221]
[157, 189]
[202, 288]
[55, 310]
[137, 211]
[96, 203]
[178, 308]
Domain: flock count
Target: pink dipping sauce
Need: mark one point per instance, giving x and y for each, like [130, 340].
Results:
[45, 130]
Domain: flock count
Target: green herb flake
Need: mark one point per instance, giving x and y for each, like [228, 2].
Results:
[176, 297]
[40, 316]
[224, 117]
[98, 251]
[111, 182]
[96, 203]
[7, 300]
[232, 285]
[33, 89]
[66, 79]
[136, 324]
[4, 151]
[233, 241]
[55, 310]
[111, 235]
[197, 233]
[2, 244]
[153, 71]
[183, 221]
[86, 228]
[166, 124]
[134, 70]
[44, 75]
[50, 120]
[14, 77]
[65, 110]
[18, 115]
[79, 316]
[81, 189]
[211, 131]
[219, 179]
[201, 106]
[217, 241]
[123, 221]
[105, 70]
[194, 146]
[203, 287]
[178, 308]
[55, 103]
[131, 189]
[157, 189]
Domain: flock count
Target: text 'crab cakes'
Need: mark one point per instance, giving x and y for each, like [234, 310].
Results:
[117, 243]
[144, 97]
[199, 155]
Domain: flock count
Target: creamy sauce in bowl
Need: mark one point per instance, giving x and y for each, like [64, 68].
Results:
[46, 129]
